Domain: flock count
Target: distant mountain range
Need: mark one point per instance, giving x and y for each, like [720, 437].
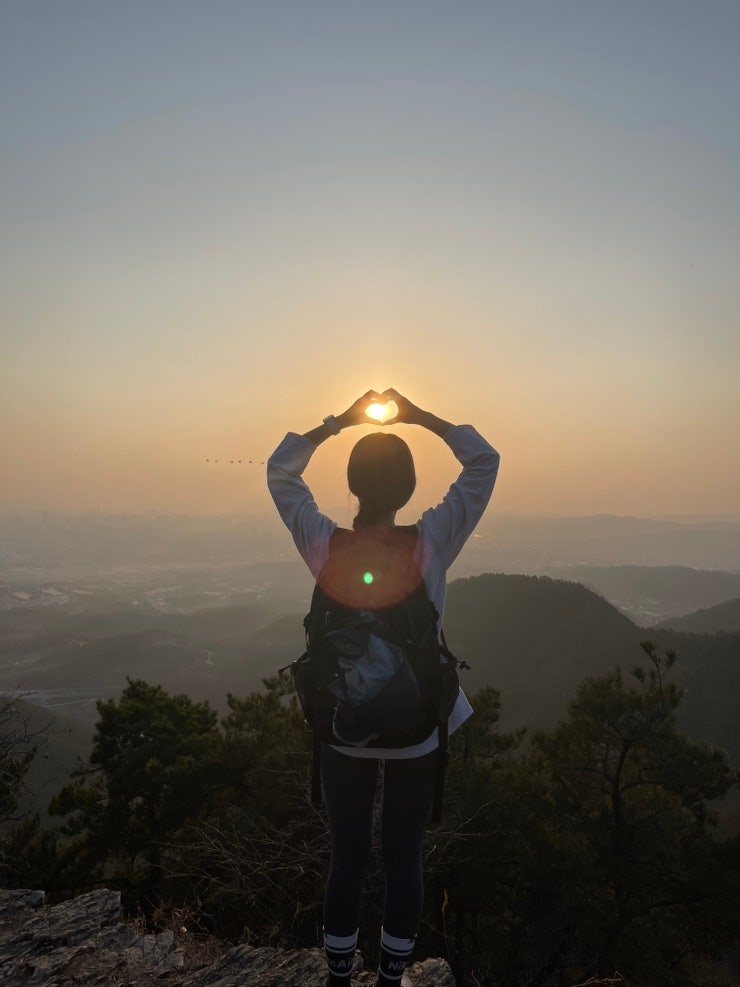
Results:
[653, 594]
[711, 620]
[55, 546]
[534, 638]
[508, 543]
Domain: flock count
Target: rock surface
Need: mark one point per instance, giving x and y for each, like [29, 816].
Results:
[85, 942]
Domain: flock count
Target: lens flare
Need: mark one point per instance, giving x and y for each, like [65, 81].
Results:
[371, 568]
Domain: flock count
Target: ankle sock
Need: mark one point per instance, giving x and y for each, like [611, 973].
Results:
[394, 955]
[340, 954]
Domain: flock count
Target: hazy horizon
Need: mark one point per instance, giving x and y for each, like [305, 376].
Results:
[337, 511]
[93, 547]
[222, 222]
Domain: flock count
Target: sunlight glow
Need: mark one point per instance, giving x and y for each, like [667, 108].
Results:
[382, 412]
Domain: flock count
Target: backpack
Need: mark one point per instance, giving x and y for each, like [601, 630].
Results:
[375, 673]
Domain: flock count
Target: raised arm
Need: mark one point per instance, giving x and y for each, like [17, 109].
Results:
[356, 414]
[311, 530]
[451, 523]
[410, 414]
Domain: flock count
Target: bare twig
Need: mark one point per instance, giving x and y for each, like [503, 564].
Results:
[616, 979]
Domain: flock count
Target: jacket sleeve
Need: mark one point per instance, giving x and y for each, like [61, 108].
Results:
[311, 530]
[449, 525]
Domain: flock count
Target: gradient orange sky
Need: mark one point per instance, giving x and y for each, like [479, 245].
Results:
[224, 221]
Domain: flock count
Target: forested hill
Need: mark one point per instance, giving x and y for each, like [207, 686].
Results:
[536, 639]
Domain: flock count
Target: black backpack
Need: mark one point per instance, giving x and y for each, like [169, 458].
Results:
[374, 673]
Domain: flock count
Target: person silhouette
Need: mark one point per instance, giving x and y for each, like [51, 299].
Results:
[381, 474]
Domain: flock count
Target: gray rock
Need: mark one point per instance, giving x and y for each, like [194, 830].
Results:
[84, 942]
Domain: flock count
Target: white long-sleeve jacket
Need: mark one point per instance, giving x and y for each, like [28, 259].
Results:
[443, 530]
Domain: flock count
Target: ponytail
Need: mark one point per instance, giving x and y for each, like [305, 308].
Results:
[367, 514]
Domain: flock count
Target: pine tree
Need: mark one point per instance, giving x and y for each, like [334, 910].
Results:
[156, 762]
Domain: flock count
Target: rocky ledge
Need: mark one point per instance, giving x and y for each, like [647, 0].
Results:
[84, 942]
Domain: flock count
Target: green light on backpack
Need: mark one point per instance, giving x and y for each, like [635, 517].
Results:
[368, 578]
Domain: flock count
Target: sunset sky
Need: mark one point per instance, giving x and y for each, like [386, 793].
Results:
[224, 220]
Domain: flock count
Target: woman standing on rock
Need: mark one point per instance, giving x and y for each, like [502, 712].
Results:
[381, 475]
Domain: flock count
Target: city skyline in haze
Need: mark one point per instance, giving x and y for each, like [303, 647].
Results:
[224, 221]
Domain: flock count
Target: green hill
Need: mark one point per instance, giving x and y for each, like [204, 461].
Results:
[535, 639]
[708, 668]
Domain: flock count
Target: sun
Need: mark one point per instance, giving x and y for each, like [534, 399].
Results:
[382, 412]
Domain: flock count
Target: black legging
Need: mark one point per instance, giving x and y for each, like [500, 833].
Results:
[349, 790]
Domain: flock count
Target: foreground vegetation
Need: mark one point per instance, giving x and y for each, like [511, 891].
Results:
[561, 856]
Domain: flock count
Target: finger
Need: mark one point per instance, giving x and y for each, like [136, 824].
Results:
[371, 395]
[359, 405]
[401, 403]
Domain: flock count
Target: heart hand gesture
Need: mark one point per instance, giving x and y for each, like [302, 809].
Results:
[397, 409]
